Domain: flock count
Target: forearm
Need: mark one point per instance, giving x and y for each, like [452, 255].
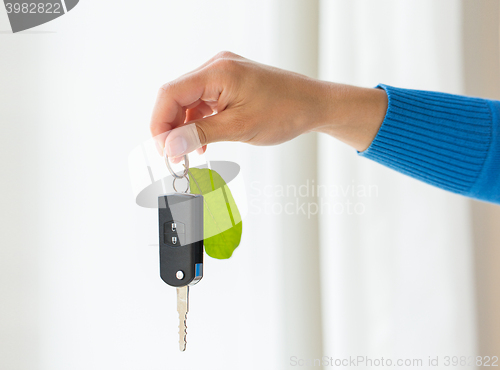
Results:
[449, 141]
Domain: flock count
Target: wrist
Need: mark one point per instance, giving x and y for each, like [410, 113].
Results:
[351, 114]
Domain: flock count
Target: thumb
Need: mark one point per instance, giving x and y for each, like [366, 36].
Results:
[215, 128]
[195, 134]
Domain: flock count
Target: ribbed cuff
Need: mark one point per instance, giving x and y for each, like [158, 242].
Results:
[438, 138]
[487, 186]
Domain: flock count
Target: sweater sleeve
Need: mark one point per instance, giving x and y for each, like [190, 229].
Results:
[449, 141]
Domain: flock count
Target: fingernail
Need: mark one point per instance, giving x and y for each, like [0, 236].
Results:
[177, 147]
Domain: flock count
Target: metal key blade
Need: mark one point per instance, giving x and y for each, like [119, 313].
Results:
[182, 309]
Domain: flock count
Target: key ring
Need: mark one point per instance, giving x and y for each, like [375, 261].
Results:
[176, 176]
[186, 167]
[187, 187]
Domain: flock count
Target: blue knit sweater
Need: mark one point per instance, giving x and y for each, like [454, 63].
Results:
[449, 141]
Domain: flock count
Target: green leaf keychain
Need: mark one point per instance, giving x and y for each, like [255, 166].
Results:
[222, 221]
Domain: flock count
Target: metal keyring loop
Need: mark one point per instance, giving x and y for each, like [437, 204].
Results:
[186, 167]
[187, 188]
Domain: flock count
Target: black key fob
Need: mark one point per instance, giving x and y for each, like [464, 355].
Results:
[181, 238]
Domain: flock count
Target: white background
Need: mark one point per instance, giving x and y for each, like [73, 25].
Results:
[79, 281]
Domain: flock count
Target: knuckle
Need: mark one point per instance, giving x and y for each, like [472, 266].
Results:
[225, 65]
[224, 55]
[166, 87]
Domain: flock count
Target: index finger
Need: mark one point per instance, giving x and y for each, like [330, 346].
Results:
[172, 101]
[175, 97]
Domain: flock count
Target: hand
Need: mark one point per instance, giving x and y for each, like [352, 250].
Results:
[230, 98]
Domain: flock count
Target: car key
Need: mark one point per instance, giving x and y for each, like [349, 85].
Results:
[181, 248]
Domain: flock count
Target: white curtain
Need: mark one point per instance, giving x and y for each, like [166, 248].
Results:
[386, 271]
[398, 278]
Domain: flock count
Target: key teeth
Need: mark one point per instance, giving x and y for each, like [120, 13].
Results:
[183, 328]
[182, 309]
